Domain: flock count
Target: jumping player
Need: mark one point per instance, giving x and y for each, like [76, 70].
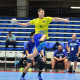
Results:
[41, 30]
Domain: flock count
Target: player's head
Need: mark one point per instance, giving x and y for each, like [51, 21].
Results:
[41, 12]
[32, 34]
[74, 37]
[60, 47]
[10, 34]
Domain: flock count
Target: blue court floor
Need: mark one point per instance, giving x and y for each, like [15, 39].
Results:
[33, 76]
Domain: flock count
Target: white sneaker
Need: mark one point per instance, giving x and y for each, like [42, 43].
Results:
[43, 70]
[33, 69]
[52, 70]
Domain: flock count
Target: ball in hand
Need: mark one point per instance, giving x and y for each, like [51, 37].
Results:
[13, 21]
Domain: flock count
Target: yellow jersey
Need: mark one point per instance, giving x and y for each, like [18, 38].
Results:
[41, 25]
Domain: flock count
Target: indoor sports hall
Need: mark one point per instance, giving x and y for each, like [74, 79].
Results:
[59, 31]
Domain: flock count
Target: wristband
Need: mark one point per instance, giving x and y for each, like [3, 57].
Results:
[42, 56]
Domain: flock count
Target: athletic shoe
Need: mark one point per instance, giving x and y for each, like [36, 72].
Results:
[16, 63]
[18, 60]
[43, 70]
[40, 78]
[40, 46]
[33, 69]
[52, 70]
[73, 71]
[66, 71]
[22, 78]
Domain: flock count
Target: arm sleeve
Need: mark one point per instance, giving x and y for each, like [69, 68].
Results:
[24, 52]
[27, 47]
[54, 55]
[68, 43]
[49, 19]
[65, 53]
[13, 37]
[78, 44]
[32, 22]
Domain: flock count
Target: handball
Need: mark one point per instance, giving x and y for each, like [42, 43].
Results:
[13, 21]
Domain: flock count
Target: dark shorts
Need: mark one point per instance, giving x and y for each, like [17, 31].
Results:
[35, 59]
[73, 58]
[36, 40]
[29, 61]
[59, 62]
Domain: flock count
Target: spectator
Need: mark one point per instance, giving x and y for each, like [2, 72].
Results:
[60, 56]
[10, 40]
[73, 48]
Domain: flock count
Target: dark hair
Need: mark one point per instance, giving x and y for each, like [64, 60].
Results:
[32, 33]
[60, 45]
[9, 31]
[40, 9]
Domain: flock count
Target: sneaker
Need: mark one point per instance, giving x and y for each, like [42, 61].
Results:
[16, 63]
[73, 71]
[66, 71]
[18, 60]
[21, 69]
[22, 78]
[40, 78]
[43, 70]
[40, 46]
[52, 70]
[33, 69]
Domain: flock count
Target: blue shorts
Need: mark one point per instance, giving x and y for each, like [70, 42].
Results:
[35, 59]
[73, 58]
[36, 40]
[29, 61]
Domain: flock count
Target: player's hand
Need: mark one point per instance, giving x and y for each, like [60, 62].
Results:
[44, 59]
[69, 50]
[32, 59]
[10, 41]
[16, 22]
[61, 59]
[66, 20]
[13, 21]
[34, 63]
[77, 54]
[58, 59]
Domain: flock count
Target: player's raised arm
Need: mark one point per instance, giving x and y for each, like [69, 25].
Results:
[62, 19]
[14, 21]
[24, 24]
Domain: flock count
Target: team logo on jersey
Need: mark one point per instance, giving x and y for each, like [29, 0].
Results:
[77, 40]
[42, 32]
[43, 21]
[62, 54]
[73, 44]
[59, 54]
[63, 49]
[40, 26]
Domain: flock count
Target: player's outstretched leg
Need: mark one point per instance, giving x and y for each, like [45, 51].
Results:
[41, 42]
[41, 65]
[35, 52]
[39, 45]
[25, 71]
